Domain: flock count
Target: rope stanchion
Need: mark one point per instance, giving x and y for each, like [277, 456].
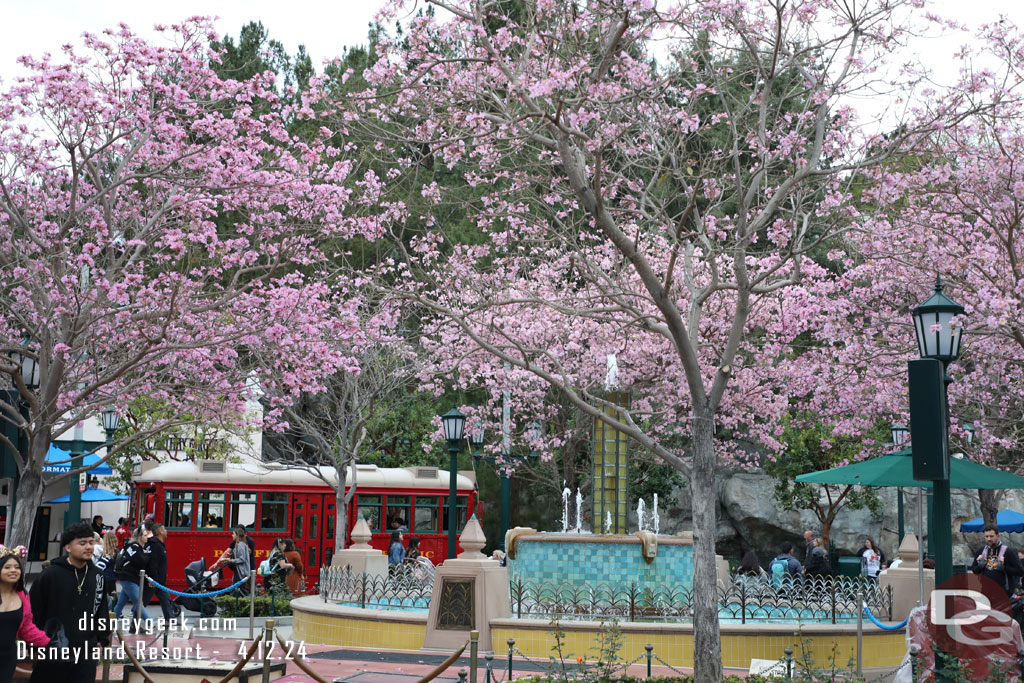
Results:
[876, 622]
[245, 660]
[128, 651]
[440, 669]
[211, 594]
[306, 669]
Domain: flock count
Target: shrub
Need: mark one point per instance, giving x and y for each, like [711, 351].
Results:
[230, 606]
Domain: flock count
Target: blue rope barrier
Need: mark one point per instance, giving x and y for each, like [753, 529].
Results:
[200, 595]
[882, 626]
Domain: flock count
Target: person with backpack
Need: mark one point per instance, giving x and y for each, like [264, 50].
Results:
[785, 569]
[817, 564]
[997, 562]
[158, 572]
[106, 564]
[130, 561]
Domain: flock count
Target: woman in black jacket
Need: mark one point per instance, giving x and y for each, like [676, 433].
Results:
[129, 563]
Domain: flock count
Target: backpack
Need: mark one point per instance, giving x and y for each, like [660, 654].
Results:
[122, 557]
[252, 552]
[780, 569]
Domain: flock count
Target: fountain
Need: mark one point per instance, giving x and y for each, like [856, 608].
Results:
[641, 515]
[565, 508]
[657, 520]
[579, 511]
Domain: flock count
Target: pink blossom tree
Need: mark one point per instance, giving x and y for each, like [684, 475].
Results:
[649, 181]
[157, 239]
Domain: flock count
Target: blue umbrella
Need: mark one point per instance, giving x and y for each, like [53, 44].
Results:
[57, 454]
[92, 495]
[1007, 520]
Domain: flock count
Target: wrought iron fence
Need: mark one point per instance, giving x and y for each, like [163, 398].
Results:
[821, 599]
[405, 586]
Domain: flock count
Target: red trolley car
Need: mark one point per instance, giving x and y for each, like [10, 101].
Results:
[200, 502]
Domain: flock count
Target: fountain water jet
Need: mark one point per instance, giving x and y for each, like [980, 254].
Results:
[565, 509]
[579, 511]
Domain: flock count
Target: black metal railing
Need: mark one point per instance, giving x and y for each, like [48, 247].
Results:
[821, 599]
[407, 585]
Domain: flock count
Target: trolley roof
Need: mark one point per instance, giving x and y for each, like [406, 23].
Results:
[218, 471]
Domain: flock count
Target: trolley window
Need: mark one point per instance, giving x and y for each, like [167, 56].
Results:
[274, 513]
[369, 508]
[178, 509]
[243, 510]
[460, 513]
[211, 509]
[398, 512]
[425, 521]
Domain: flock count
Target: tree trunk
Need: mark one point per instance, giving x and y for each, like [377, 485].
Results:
[989, 504]
[707, 646]
[30, 495]
[341, 513]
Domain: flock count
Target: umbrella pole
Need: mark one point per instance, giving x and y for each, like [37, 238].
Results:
[920, 548]
[899, 515]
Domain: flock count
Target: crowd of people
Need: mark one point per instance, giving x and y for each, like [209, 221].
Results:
[68, 603]
[995, 560]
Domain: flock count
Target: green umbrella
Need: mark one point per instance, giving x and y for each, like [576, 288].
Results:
[897, 469]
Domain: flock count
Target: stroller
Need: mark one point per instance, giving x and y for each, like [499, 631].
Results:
[199, 581]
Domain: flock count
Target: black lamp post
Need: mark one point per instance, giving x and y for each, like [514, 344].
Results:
[969, 432]
[29, 367]
[79, 446]
[900, 435]
[938, 340]
[454, 423]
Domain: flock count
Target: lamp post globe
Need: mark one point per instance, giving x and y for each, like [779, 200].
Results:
[935, 325]
[111, 421]
[900, 434]
[29, 367]
[454, 422]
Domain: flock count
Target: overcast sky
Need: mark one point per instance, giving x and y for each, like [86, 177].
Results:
[325, 27]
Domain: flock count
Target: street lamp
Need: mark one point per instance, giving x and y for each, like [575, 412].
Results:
[454, 423]
[938, 332]
[969, 432]
[79, 446]
[29, 370]
[900, 435]
[29, 367]
[476, 440]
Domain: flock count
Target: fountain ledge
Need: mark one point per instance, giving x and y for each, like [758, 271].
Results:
[514, 536]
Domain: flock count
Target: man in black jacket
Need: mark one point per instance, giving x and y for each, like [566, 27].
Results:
[67, 595]
[998, 562]
[158, 568]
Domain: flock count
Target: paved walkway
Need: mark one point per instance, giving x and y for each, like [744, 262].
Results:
[345, 664]
[358, 665]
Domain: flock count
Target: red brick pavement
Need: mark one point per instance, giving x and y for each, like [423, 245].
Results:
[359, 665]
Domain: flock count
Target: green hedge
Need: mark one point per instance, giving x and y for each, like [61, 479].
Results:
[227, 604]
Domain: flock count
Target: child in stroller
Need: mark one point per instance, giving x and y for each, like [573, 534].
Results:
[200, 581]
